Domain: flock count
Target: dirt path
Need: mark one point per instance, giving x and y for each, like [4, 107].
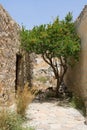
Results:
[50, 116]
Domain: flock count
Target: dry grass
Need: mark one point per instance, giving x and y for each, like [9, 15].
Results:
[10, 121]
[24, 98]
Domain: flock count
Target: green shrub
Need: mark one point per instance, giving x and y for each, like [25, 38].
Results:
[11, 121]
[78, 103]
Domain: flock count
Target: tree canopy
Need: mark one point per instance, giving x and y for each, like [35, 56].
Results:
[57, 42]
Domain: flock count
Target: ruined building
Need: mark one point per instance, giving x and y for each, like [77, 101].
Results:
[13, 61]
[76, 77]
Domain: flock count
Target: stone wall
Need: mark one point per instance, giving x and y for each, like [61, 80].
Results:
[76, 77]
[24, 68]
[9, 47]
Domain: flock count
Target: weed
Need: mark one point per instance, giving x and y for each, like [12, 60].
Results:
[24, 98]
[11, 121]
[77, 103]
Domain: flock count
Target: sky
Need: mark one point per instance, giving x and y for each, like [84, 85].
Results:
[32, 13]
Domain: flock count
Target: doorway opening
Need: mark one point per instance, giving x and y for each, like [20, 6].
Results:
[18, 70]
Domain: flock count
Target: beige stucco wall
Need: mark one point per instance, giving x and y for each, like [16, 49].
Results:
[76, 78]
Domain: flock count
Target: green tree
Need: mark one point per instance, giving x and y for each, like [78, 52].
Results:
[57, 42]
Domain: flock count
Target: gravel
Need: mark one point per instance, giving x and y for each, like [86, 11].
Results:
[50, 116]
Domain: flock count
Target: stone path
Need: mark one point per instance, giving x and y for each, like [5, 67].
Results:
[50, 116]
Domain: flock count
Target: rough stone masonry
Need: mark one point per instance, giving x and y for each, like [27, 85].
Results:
[15, 63]
[9, 47]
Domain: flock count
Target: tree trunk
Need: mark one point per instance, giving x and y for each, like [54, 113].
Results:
[57, 87]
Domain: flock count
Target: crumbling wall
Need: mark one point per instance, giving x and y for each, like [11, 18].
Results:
[76, 78]
[9, 47]
[15, 64]
[24, 69]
